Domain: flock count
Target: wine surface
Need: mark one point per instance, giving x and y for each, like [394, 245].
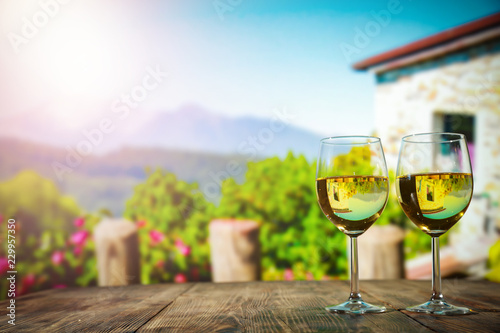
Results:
[352, 203]
[434, 201]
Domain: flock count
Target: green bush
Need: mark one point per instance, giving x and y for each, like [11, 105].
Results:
[297, 240]
[50, 251]
[494, 263]
[173, 218]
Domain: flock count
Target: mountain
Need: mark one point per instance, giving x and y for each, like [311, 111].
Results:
[189, 128]
[196, 129]
[39, 126]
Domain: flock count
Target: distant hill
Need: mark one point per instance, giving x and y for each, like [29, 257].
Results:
[106, 181]
[194, 128]
[190, 128]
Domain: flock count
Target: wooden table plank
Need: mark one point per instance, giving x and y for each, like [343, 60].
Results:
[478, 295]
[326, 293]
[224, 306]
[98, 309]
[481, 296]
[259, 310]
[479, 322]
[295, 306]
[298, 304]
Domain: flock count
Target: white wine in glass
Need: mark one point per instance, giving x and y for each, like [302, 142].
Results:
[434, 187]
[352, 187]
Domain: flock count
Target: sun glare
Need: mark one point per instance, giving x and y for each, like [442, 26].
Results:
[79, 58]
[80, 53]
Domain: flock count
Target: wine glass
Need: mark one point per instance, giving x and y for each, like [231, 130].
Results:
[434, 187]
[352, 187]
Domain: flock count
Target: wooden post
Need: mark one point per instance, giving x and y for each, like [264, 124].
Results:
[234, 250]
[117, 251]
[381, 254]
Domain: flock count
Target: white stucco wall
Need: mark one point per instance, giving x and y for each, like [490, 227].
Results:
[408, 106]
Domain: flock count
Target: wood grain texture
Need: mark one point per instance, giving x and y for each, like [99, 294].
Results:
[381, 253]
[295, 306]
[234, 250]
[97, 309]
[117, 251]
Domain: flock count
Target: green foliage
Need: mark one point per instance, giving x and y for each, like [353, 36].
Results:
[356, 161]
[36, 203]
[50, 251]
[494, 263]
[393, 214]
[173, 217]
[295, 235]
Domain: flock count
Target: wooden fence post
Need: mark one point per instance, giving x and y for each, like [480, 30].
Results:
[381, 253]
[117, 251]
[234, 250]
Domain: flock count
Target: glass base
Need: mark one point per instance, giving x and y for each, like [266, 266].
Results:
[439, 307]
[357, 306]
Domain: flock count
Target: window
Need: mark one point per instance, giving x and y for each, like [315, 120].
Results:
[458, 123]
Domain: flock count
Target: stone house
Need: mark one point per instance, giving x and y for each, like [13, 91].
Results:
[449, 82]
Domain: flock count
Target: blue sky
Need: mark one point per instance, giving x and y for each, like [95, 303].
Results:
[231, 57]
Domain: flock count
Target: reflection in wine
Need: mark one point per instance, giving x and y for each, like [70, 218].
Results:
[352, 203]
[434, 201]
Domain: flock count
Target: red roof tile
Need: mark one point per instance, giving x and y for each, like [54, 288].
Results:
[434, 40]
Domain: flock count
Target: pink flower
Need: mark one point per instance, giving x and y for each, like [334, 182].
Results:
[180, 278]
[57, 257]
[79, 222]
[29, 280]
[159, 264]
[4, 265]
[79, 237]
[77, 250]
[288, 275]
[184, 249]
[141, 224]
[156, 237]
[59, 286]
[309, 276]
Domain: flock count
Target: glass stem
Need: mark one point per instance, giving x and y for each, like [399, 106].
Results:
[436, 271]
[355, 294]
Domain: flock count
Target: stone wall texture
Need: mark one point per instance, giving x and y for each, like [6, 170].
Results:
[415, 103]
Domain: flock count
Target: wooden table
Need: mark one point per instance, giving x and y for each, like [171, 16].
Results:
[253, 306]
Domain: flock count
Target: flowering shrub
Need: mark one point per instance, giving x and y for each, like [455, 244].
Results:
[172, 217]
[49, 251]
[297, 241]
[56, 259]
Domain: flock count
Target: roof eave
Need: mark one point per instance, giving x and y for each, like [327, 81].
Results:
[450, 36]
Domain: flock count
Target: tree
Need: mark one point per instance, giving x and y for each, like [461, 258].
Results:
[36, 203]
